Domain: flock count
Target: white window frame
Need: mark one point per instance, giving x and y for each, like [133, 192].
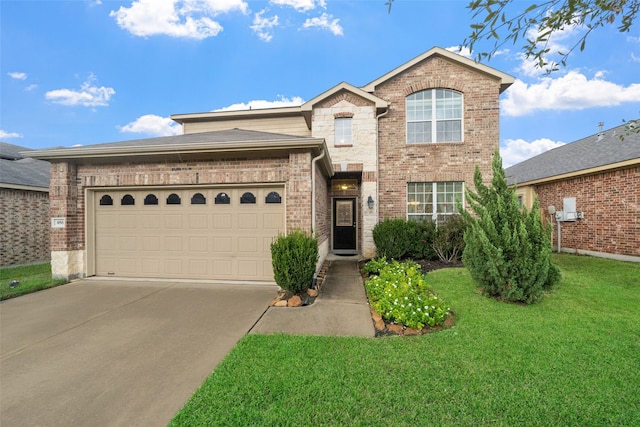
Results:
[343, 131]
[427, 108]
[430, 200]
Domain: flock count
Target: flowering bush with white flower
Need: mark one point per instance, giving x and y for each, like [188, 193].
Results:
[400, 294]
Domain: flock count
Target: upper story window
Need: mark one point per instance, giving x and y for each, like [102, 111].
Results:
[434, 115]
[342, 135]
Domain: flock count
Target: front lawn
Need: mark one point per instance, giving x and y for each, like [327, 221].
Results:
[31, 278]
[571, 359]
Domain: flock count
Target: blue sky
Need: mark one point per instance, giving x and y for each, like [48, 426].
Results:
[87, 72]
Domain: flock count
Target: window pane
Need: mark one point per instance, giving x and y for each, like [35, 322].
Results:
[418, 132]
[342, 131]
[449, 131]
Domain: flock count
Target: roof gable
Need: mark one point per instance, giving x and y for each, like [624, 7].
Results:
[505, 79]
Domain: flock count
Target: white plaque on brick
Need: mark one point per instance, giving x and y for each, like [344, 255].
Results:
[58, 222]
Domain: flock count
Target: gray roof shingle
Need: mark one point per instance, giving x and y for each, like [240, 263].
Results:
[597, 150]
[17, 170]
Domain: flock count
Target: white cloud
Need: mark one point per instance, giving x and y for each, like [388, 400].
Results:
[30, 87]
[573, 91]
[89, 95]
[326, 22]
[153, 125]
[262, 26]
[460, 50]
[6, 135]
[260, 104]
[515, 151]
[18, 75]
[300, 5]
[176, 18]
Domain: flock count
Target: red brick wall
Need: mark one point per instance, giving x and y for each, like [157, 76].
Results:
[24, 227]
[323, 210]
[401, 162]
[68, 183]
[611, 205]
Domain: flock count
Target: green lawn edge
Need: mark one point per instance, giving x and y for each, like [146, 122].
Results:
[31, 278]
[570, 359]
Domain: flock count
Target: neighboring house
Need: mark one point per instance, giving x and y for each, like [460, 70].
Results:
[207, 204]
[602, 173]
[24, 208]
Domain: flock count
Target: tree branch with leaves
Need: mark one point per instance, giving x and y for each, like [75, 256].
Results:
[505, 22]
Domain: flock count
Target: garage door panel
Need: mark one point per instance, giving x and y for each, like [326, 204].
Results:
[222, 221]
[273, 221]
[198, 221]
[151, 266]
[194, 239]
[198, 244]
[222, 268]
[247, 245]
[152, 221]
[151, 243]
[127, 243]
[172, 244]
[127, 221]
[173, 221]
[199, 267]
[249, 267]
[248, 221]
[222, 244]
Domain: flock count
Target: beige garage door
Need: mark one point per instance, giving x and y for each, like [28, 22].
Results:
[198, 233]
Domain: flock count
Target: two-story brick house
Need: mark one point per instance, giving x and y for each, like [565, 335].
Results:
[206, 204]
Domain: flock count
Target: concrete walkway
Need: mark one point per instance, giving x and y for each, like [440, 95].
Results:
[341, 309]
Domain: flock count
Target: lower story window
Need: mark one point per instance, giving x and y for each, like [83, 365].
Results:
[430, 200]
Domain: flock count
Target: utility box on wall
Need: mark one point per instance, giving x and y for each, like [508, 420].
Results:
[569, 211]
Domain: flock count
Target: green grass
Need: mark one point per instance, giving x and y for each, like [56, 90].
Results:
[572, 359]
[32, 278]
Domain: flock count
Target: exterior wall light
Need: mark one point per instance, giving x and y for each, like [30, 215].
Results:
[370, 202]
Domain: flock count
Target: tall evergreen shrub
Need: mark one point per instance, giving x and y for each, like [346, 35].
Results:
[507, 248]
[294, 257]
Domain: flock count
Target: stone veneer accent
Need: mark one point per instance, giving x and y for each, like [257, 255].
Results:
[24, 225]
[611, 205]
[401, 163]
[360, 156]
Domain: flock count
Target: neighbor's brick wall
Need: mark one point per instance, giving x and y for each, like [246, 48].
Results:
[611, 205]
[24, 227]
[68, 183]
[401, 162]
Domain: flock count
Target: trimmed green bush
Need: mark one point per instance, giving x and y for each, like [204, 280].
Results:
[390, 237]
[421, 237]
[398, 238]
[508, 249]
[448, 243]
[294, 257]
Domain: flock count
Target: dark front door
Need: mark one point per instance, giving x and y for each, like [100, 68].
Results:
[344, 225]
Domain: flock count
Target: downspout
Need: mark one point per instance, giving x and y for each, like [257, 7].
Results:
[313, 189]
[378, 161]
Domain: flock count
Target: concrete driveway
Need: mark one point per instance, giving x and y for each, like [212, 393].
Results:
[102, 352]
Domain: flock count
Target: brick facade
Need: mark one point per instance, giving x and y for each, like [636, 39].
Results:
[611, 205]
[24, 221]
[378, 158]
[400, 162]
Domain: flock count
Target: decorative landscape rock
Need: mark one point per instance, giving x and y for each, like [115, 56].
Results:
[287, 299]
